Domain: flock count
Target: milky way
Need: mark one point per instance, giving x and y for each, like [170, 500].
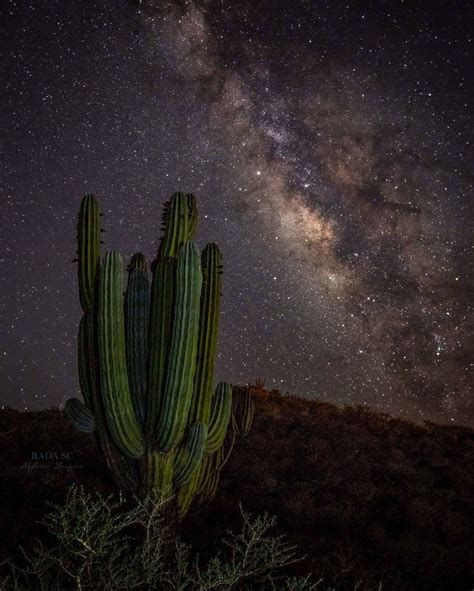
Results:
[328, 149]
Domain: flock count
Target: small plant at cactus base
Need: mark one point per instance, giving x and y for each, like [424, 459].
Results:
[146, 360]
[102, 543]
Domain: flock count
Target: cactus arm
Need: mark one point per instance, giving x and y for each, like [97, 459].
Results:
[208, 477]
[189, 456]
[243, 410]
[89, 250]
[226, 451]
[175, 224]
[121, 467]
[85, 349]
[138, 261]
[220, 417]
[210, 480]
[158, 472]
[211, 262]
[188, 491]
[79, 415]
[159, 337]
[200, 483]
[178, 389]
[89, 230]
[205, 479]
[192, 216]
[136, 327]
[211, 469]
[205, 470]
[122, 422]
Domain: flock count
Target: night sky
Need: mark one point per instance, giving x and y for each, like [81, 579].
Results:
[328, 146]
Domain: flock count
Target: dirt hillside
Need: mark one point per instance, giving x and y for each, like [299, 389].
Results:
[363, 495]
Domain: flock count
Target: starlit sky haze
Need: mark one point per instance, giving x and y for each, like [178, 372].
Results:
[328, 145]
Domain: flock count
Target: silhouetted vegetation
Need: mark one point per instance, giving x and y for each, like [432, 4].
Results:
[107, 543]
[364, 496]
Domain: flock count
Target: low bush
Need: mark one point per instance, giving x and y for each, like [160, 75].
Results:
[106, 543]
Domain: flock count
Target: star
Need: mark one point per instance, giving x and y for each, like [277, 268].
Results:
[331, 165]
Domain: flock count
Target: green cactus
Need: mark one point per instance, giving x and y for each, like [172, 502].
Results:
[220, 416]
[89, 250]
[243, 410]
[178, 386]
[146, 359]
[79, 415]
[211, 264]
[179, 223]
[161, 317]
[85, 363]
[189, 456]
[121, 418]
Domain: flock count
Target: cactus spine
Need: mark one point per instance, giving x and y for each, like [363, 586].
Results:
[146, 360]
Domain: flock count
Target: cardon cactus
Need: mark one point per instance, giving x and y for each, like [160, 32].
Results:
[146, 360]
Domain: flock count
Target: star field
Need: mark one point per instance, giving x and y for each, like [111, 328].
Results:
[329, 150]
